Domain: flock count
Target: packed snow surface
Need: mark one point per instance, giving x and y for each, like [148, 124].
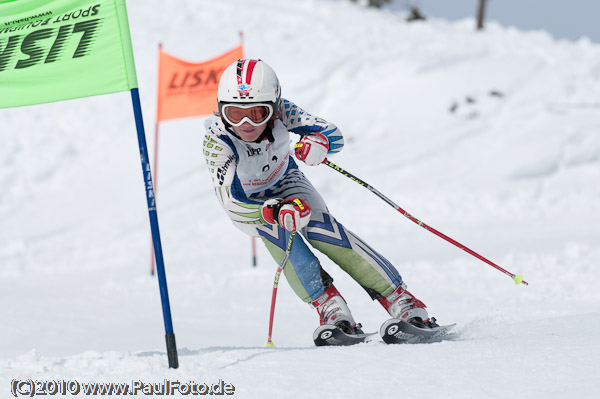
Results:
[490, 137]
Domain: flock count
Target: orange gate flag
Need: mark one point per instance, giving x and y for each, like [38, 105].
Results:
[187, 89]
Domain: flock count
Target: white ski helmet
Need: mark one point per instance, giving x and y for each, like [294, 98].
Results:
[249, 81]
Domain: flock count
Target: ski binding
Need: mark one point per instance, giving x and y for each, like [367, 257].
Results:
[330, 335]
[396, 331]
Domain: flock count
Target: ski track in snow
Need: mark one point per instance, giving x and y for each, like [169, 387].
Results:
[512, 175]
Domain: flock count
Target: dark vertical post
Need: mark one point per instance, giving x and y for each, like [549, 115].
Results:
[481, 14]
[160, 267]
[152, 268]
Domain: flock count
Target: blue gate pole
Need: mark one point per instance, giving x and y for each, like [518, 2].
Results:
[160, 266]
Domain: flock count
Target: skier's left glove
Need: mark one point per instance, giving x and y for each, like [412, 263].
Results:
[292, 214]
[312, 149]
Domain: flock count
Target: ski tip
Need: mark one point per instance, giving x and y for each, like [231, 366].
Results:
[269, 345]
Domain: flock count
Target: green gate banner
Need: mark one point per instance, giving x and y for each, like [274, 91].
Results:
[52, 50]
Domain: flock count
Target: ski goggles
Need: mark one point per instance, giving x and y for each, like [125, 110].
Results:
[255, 114]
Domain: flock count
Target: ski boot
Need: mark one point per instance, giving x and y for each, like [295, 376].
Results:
[337, 324]
[403, 305]
[410, 322]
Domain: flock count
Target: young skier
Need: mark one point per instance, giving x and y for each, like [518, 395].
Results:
[259, 185]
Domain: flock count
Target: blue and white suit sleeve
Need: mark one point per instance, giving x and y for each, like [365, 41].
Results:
[221, 159]
[298, 121]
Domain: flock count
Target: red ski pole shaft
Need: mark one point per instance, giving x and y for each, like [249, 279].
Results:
[253, 242]
[280, 267]
[517, 278]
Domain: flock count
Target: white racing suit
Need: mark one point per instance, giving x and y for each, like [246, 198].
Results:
[247, 174]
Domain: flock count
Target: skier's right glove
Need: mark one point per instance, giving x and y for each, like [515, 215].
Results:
[292, 214]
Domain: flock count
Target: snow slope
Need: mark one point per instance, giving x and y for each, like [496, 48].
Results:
[512, 173]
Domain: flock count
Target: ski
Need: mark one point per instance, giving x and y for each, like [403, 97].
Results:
[396, 331]
[329, 335]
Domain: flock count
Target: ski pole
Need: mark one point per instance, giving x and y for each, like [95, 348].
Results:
[253, 243]
[269, 343]
[517, 278]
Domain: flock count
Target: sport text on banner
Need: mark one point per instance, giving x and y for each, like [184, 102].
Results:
[63, 49]
[188, 89]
